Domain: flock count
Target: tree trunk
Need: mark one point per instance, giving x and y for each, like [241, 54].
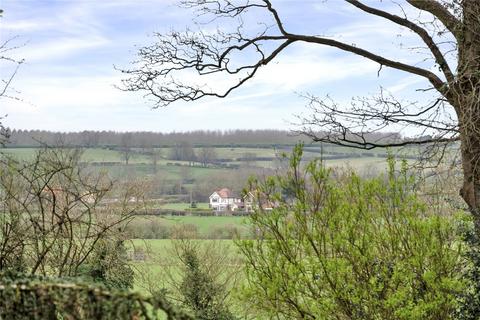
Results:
[466, 92]
[470, 190]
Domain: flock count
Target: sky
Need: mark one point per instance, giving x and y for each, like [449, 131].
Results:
[71, 48]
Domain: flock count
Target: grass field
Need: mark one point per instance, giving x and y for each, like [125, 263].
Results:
[140, 165]
[204, 225]
[168, 172]
[234, 153]
[161, 262]
[184, 206]
[160, 248]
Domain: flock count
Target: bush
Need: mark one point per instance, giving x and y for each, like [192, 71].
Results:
[469, 299]
[108, 265]
[203, 279]
[148, 229]
[200, 292]
[33, 298]
[184, 231]
[228, 231]
[349, 249]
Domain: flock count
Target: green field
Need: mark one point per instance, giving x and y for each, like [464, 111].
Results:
[159, 248]
[172, 173]
[204, 225]
[160, 260]
[169, 172]
[184, 206]
[234, 153]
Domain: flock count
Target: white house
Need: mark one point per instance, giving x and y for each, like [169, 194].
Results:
[225, 200]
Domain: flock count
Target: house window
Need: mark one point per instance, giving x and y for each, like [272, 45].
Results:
[214, 199]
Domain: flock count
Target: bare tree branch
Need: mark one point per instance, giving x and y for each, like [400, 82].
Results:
[450, 31]
[6, 83]
[440, 12]
[422, 33]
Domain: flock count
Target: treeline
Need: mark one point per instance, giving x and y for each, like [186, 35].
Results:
[32, 138]
[144, 139]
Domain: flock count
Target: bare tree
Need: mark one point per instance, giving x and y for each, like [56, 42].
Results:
[155, 155]
[53, 213]
[450, 38]
[10, 65]
[183, 152]
[206, 155]
[88, 139]
[126, 146]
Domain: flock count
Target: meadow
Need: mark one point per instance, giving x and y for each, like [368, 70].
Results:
[159, 262]
[204, 227]
[140, 163]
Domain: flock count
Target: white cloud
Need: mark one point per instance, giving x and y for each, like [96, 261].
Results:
[406, 83]
[79, 91]
[293, 74]
[69, 77]
[60, 47]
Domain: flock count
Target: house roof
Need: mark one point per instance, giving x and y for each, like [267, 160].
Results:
[225, 193]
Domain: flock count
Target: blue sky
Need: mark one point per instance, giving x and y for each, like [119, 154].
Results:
[67, 82]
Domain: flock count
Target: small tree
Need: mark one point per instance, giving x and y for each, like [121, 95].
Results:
[126, 146]
[200, 293]
[207, 155]
[183, 152]
[204, 280]
[155, 155]
[349, 248]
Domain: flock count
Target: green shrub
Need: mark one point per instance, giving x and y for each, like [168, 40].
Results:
[108, 265]
[349, 248]
[148, 229]
[184, 231]
[469, 299]
[200, 293]
[228, 231]
[37, 298]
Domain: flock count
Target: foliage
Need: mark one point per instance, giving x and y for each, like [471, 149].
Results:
[108, 265]
[470, 298]
[349, 248]
[43, 298]
[197, 274]
[148, 229]
[200, 293]
[200, 227]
